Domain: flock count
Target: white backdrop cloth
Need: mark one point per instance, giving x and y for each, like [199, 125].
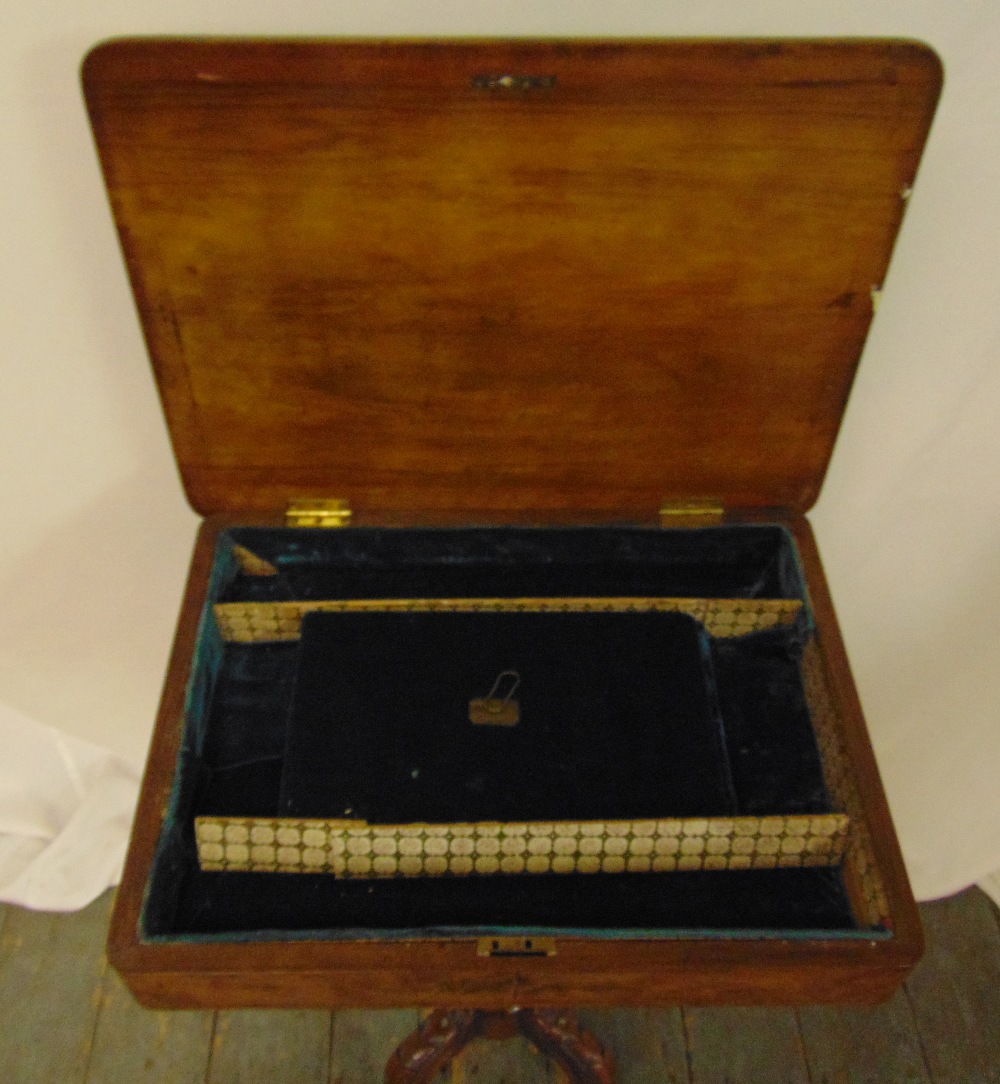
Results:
[95, 534]
[65, 811]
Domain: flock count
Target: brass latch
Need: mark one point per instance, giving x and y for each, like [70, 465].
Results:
[694, 513]
[516, 946]
[318, 513]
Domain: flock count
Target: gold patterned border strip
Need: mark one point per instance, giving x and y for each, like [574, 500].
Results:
[359, 850]
[860, 865]
[262, 622]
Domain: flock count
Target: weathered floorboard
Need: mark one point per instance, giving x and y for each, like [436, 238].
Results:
[275, 1045]
[647, 1044]
[50, 974]
[752, 1046]
[64, 1020]
[363, 1040]
[847, 1045]
[955, 990]
[135, 1044]
[509, 1061]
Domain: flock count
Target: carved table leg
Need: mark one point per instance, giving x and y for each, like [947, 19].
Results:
[558, 1035]
[424, 1052]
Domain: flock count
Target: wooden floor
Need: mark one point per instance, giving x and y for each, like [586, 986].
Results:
[66, 1019]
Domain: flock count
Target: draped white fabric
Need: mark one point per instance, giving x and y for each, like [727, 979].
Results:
[65, 810]
[95, 534]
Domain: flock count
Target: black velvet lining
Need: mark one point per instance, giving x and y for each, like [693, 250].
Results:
[751, 900]
[773, 757]
[719, 562]
[766, 760]
[618, 718]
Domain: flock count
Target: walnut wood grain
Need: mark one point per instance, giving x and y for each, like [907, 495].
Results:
[361, 275]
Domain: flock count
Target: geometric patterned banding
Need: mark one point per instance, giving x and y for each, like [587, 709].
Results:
[354, 849]
[860, 866]
[267, 622]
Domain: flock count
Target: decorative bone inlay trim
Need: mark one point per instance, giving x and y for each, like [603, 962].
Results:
[355, 849]
[860, 864]
[257, 622]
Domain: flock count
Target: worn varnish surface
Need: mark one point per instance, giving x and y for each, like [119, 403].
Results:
[66, 1019]
[362, 275]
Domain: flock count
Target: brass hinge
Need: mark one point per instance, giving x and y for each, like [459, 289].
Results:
[318, 513]
[696, 513]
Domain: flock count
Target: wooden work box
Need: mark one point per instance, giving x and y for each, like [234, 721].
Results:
[497, 364]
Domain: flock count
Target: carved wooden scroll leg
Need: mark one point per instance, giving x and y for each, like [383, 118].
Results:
[559, 1036]
[556, 1033]
[425, 1051]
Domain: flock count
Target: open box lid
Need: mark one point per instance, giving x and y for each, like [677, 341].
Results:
[502, 280]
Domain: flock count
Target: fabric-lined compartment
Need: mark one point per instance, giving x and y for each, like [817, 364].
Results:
[236, 763]
[717, 562]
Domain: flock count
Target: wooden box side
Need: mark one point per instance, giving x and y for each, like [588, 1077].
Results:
[877, 874]
[374, 973]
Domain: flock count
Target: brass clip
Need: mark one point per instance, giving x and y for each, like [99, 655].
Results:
[493, 710]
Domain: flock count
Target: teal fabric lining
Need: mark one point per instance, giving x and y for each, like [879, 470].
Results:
[458, 933]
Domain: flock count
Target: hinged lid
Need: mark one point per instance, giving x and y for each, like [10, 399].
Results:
[533, 280]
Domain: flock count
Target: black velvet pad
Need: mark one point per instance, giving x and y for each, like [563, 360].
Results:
[618, 718]
[233, 758]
